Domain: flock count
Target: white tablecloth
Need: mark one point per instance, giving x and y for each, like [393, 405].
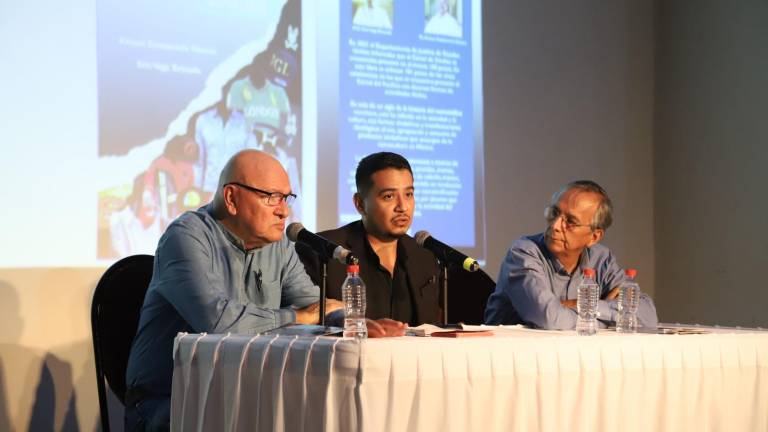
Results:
[519, 379]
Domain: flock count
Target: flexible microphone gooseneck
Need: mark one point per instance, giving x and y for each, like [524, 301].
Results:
[445, 253]
[324, 247]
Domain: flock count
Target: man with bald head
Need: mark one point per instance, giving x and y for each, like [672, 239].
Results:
[539, 278]
[224, 268]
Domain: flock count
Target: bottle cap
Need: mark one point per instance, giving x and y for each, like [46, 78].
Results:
[353, 268]
[630, 273]
[588, 272]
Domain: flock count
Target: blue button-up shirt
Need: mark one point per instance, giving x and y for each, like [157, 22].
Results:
[532, 283]
[205, 281]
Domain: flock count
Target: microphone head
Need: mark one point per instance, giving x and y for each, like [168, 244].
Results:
[470, 265]
[344, 256]
[293, 231]
[421, 237]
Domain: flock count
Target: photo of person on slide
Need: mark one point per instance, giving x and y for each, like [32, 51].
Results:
[442, 18]
[372, 13]
[166, 188]
[257, 109]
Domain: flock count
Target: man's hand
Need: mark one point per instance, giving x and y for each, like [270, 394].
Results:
[332, 305]
[569, 303]
[612, 294]
[311, 314]
[385, 327]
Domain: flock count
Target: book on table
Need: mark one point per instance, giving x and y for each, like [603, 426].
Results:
[430, 330]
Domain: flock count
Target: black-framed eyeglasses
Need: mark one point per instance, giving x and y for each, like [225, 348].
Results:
[272, 198]
[553, 213]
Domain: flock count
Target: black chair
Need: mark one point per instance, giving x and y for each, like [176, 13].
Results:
[468, 293]
[114, 319]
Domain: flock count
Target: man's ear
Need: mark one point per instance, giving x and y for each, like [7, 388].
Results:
[359, 203]
[230, 201]
[597, 235]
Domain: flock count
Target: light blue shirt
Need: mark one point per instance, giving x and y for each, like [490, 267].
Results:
[532, 283]
[205, 281]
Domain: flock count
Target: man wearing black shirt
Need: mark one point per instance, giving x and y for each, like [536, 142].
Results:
[401, 278]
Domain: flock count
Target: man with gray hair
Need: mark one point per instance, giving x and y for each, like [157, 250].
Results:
[539, 278]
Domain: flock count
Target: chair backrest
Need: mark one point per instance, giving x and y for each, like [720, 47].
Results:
[468, 293]
[114, 319]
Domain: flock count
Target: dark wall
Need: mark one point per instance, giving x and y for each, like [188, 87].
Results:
[711, 152]
[569, 95]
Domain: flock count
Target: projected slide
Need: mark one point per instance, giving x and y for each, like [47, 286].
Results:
[162, 93]
[226, 74]
[405, 86]
[404, 77]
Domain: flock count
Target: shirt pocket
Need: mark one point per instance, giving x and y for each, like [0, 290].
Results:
[267, 294]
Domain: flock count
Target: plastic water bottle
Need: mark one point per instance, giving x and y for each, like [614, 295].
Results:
[586, 304]
[353, 297]
[629, 298]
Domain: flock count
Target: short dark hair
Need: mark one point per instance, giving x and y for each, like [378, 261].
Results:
[374, 163]
[603, 214]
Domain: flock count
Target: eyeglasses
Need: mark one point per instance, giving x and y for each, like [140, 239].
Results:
[272, 198]
[553, 213]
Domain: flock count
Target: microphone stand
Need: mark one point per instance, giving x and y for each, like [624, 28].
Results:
[444, 285]
[323, 284]
[324, 258]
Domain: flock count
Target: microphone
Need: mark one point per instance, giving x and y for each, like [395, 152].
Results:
[445, 253]
[324, 247]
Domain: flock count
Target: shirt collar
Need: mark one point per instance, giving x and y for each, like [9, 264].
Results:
[235, 240]
[540, 240]
[402, 254]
